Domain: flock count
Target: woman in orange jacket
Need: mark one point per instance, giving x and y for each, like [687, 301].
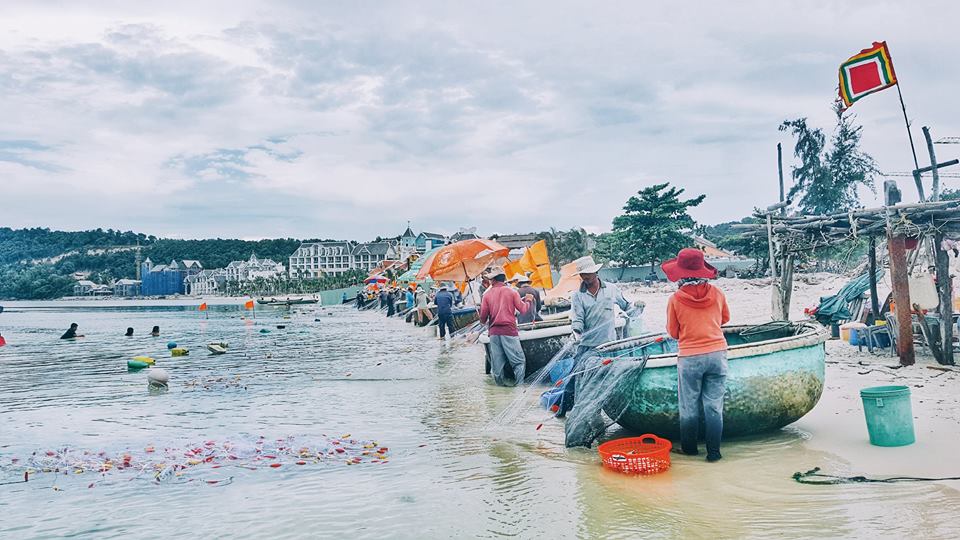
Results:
[695, 314]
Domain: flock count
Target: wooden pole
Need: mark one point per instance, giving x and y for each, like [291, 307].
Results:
[913, 150]
[783, 211]
[874, 301]
[945, 291]
[935, 196]
[942, 265]
[776, 300]
[901, 296]
[786, 284]
[896, 250]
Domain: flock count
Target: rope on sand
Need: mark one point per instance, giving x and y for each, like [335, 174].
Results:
[830, 480]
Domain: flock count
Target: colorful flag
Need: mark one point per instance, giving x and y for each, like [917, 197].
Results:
[512, 268]
[202, 307]
[536, 261]
[865, 73]
[248, 304]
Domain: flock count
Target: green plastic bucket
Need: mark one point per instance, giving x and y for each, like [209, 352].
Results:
[889, 415]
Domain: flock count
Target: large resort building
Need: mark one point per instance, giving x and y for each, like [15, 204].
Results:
[316, 259]
[332, 257]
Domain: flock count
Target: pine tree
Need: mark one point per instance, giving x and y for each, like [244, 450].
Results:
[827, 181]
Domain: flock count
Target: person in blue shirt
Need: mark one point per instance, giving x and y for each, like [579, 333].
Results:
[444, 301]
[411, 300]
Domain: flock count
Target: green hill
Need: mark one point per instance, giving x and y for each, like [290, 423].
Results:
[38, 263]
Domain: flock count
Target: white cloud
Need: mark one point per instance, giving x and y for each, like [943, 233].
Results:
[324, 119]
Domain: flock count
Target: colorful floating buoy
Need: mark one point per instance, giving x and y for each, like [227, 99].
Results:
[171, 345]
[136, 365]
[179, 351]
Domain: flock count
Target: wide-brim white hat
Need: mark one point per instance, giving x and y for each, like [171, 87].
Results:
[495, 271]
[586, 265]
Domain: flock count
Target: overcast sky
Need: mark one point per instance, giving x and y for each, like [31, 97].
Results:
[346, 119]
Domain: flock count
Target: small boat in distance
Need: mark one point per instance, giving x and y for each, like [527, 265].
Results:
[287, 302]
[217, 348]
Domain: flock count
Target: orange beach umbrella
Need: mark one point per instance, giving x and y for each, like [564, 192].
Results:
[462, 261]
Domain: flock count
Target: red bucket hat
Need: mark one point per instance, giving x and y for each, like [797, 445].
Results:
[688, 264]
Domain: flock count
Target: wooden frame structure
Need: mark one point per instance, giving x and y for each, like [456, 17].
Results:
[927, 222]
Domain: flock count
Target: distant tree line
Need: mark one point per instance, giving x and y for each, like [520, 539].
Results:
[38, 263]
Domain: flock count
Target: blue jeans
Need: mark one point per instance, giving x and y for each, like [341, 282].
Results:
[445, 321]
[507, 350]
[702, 379]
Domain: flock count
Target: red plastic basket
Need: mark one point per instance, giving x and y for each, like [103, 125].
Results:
[647, 454]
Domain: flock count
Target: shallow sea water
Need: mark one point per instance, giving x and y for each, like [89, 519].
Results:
[452, 473]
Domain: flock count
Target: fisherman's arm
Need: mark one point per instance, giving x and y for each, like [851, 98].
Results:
[724, 310]
[576, 320]
[484, 309]
[620, 300]
[522, 305]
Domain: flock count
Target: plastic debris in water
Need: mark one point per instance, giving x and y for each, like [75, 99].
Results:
[172, 463]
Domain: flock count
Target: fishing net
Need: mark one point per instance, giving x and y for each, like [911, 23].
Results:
[208, 462]
[582, 385]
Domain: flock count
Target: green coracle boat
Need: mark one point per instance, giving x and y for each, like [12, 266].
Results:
[775, 376]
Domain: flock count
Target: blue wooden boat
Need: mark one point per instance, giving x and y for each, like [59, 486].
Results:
[775, 376]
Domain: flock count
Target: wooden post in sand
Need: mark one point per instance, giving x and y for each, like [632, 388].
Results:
[874, 301]
[781, 285]
[942, 265]
[786, 258]
[898, 276]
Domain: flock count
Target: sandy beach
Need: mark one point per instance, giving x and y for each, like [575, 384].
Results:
[836, 425]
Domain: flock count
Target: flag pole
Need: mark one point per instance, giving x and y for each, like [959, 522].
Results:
[913, 149]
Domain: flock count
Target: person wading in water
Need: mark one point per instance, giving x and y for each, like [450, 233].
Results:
[594, 323]
[498, 311]
[695, 314]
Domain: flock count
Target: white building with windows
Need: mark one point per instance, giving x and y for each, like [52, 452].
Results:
[372, 254]
[253, 268]
[207, 282]
[315, 259]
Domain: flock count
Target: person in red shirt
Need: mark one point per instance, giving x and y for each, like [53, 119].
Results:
[498, 311]
[695, 314]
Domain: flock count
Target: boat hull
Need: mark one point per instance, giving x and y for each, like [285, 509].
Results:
[287, 302]
[464, 317]
[540, 343]
[769, 385]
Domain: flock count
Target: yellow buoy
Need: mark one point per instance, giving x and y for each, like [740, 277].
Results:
[145, 359]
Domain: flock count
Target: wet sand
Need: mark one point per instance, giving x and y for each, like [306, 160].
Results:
[837, 424]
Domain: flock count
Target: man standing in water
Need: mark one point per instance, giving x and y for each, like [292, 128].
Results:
[498, 310]
[391, 302]
[593, 321]
[444, 301]
[695, 314]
